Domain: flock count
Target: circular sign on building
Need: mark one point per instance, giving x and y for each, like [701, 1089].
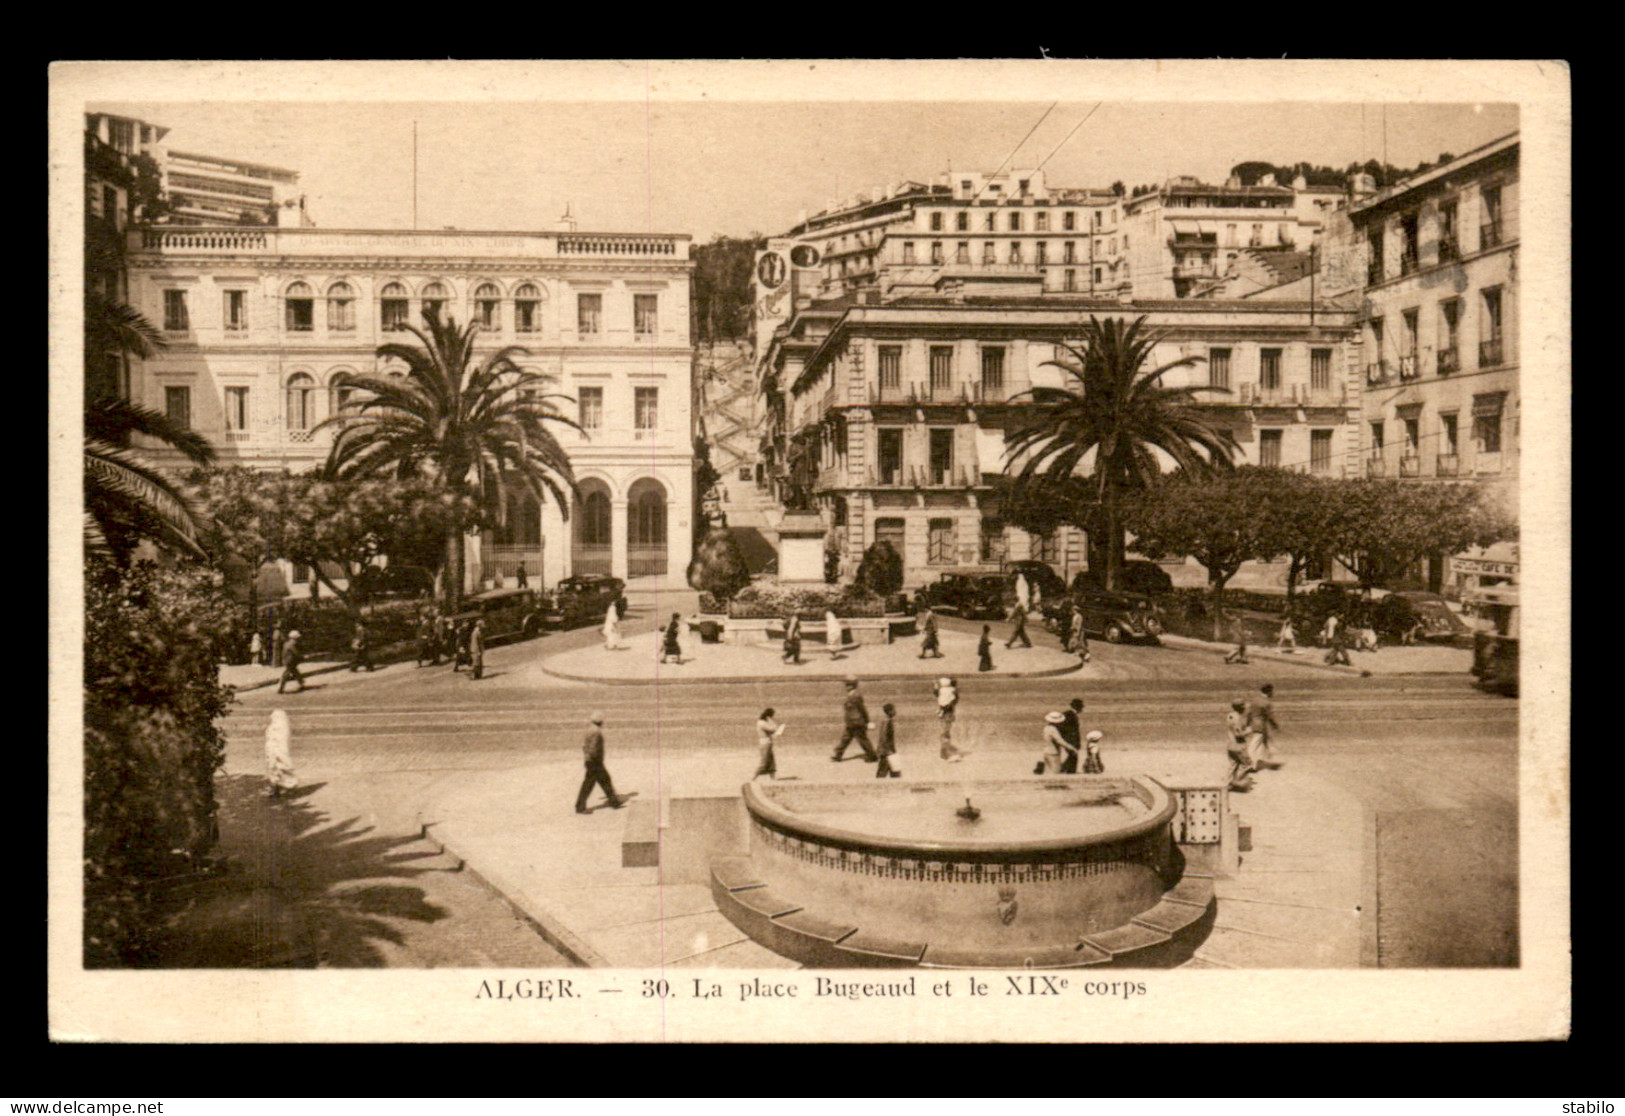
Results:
[804, 255]
[771, 270]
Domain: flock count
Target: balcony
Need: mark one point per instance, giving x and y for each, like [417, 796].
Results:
[1449, 361]
[1327, 395]
[1409, 367]
[1489, 353]
[886, 478]
[1196, 271]
[1449, 465]
[1410, 466]
[1489, 236]
[1487, 464]
[299, 436]
[1376, 467]
[1376, 372]
[888, 393]
[1268, 395]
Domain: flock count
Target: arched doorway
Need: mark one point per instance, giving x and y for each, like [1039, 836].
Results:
[590, 546]
[646, 529]
[516, 540]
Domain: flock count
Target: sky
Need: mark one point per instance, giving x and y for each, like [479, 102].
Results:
[706, 165]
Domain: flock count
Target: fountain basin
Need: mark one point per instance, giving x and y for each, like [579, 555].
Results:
[1049, 863]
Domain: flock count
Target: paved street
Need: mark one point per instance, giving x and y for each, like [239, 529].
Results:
[1430, 759]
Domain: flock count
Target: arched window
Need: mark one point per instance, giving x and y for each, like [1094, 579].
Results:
[594, 518]
[488, 306]
[301, 402]
[341, 308]
[340, 397]
[392, 304]
[299, 308]
[646, 515]
[434, 299]
[527, 302]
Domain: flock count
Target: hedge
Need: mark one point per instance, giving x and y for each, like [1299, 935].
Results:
[761, 601]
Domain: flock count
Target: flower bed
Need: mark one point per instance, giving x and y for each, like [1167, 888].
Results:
[762, 601]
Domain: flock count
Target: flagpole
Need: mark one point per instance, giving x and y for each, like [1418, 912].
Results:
[414, 175]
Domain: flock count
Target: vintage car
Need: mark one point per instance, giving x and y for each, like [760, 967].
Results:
[584, 599]
[972, 596]
[1404, 609]
[1114, 617]
[506, 612]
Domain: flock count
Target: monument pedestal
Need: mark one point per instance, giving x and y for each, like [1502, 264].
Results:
[801, 549]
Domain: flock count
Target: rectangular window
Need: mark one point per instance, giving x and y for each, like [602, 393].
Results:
[942, 456]
[1490, 352]
[1230, 236]
[1320, 451]
[962, 252]
[589, 314]
[1269, 369]
[1407, 344]
[936, 221]
[176, 319]
[1374, 272]
[392, 314]
[1043, 252]
[236, 310]
[1071, 283]
[1487, 421]
[988, 221]
[936, 253]
[1015, 222]
[891, 366]
[940, 548]
[524, 315]
[488, 311]
[1069, 220]
[1411, 428]
[1320, 369]
[1097, 218]
[1449, 246]
[1489, 233]
[988, 255]
[908, 251]
[1069, 252]
[178, 406]
[1376, 438]
[962, 221]
[889, 457]
[1015, 251]
[1408, 243]
[592, 408]
[236, 408]
[1269, 448]
[301, 315]
[1449, 434]
[646, 402]
[340, 314]
[942, 368]
[1041, 221]
[1218, 368]
[890, 531]
[993, 550]
[1098, 279]
[993, 370]
[645, 314]
[1257, 239]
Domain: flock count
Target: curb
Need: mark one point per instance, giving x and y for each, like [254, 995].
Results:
[544, 922]
[757, 679]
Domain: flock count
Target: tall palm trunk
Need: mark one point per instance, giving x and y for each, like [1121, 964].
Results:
[456, 569]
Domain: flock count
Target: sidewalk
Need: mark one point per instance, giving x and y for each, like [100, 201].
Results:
[1424, 659]
[636, 663]
[1296, 902]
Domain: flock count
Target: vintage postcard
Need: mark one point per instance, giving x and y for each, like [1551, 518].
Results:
[684, 551]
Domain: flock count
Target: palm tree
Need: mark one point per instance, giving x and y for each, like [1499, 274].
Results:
[471, 428]
[127, 498]
[1120, 414]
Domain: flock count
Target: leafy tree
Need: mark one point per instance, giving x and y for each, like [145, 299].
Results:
[472, 428]
[1383, 528]
[1218, 520]
[1300, 519]
[881, 571]
[127, 498]
[1110, 423]
[718, 566]
[722, 271]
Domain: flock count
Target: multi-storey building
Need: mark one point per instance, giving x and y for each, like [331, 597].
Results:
[893, 417]
[210, 190]
[261, 322]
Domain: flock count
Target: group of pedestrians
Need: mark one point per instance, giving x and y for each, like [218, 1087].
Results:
[1074, 640]
[1065, 745]
[1250, 724]
[463, 644]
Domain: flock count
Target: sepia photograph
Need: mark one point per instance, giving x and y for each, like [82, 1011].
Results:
[717, 550]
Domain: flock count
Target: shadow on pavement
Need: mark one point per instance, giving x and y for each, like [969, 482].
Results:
[303, 890]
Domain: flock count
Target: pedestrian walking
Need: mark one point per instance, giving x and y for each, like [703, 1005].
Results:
[256, 648]
[1339, 653]
[461, 659]
[1286, 641]
[428, 640]
[887, 744]
[984, 649]
[1241, 759]
[1238, 632]
[669, 647]
[1092, 764]
[1261, 727]
[522, 576]
[947, 695]
[1023, 593]
[929, 647]
[279, 754]
[292, 656]
[476, 650]
[597, 775]
[855, 717]
[1019, 616]
[834, 634]
[1072, 732]
[279, 643]
[792, 639]
[360, 648]
[1054, 745]
[767, 732]
[612, 627]
[1080, 635]
[1328, 631]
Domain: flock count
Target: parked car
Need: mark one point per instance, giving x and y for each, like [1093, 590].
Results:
[1039, 575]
[1138, 576]
[585, 598]
[506, 612]
[1114, 617]
[1402, 610]
[973, 596]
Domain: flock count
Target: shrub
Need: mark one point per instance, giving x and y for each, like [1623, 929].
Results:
[153, 643]
[764, 601]
[881, 571]
[718, 567]
[325, 626]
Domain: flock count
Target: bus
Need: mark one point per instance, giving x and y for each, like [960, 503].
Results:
[1495, 644]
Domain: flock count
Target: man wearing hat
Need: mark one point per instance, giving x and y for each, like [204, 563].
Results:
[1072, 730]
[856, 718]
[292, 656]
[592, 752]
[1055, 744]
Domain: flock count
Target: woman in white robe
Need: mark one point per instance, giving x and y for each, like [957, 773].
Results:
[612, 628]
[279, 754]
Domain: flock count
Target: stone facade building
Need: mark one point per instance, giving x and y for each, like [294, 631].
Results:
[261, 321]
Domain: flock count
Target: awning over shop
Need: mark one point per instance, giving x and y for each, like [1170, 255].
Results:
[1490, 405]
